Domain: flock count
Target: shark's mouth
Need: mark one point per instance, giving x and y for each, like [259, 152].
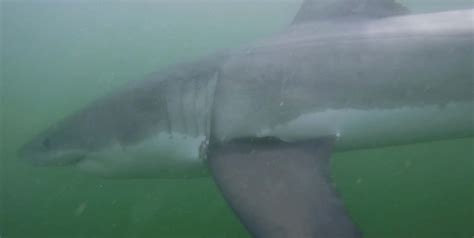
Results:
[56, 158]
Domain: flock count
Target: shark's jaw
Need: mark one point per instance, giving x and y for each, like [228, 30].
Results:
[39, 152]
[161, 156]
[54, 158]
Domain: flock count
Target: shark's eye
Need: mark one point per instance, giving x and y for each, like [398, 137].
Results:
[47, 143]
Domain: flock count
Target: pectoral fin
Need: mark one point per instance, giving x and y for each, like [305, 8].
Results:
[280, 189]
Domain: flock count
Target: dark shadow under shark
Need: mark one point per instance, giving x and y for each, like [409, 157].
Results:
[264, 119]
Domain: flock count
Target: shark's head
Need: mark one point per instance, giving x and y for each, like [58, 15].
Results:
[151, 128]
[117, 150]
[57, 146]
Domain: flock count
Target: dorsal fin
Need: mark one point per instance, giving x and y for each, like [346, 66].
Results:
[313, 10]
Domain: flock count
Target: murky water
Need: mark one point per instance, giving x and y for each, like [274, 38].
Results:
[59, 55]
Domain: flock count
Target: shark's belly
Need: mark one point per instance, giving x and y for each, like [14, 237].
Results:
[356, 128]
[162, 155]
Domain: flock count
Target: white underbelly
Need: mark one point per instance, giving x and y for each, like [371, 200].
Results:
[360, 128]
[161, 156]
[177, 155]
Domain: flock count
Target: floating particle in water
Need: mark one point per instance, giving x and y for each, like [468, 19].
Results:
[80, 209]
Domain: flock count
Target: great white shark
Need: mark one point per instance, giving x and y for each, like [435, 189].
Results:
[264, 119]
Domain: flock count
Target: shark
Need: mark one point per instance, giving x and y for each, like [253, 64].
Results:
[264, 119]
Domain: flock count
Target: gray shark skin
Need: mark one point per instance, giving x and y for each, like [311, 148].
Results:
[264, 119]
[358, 75]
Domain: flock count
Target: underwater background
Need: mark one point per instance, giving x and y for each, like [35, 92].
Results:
[58, 55]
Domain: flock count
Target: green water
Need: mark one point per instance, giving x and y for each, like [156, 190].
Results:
[59, 55]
